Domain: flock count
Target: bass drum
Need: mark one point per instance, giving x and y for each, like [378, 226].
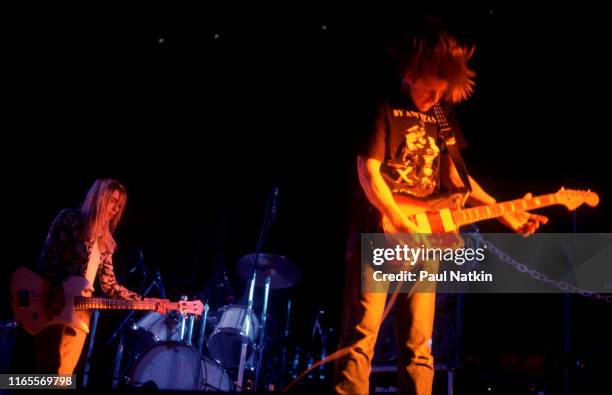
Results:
[173, 366]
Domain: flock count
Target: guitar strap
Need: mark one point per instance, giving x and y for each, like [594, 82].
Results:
[450, 142]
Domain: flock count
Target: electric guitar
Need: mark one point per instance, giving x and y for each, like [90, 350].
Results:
[445, 215]
[29, 295]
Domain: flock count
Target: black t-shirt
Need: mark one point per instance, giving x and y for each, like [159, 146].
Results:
[413, 162]
[406, 142]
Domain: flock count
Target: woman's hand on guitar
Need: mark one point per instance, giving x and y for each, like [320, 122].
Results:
[184, 306]
[161, 305]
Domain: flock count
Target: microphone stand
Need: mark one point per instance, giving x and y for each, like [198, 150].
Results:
[269, 217]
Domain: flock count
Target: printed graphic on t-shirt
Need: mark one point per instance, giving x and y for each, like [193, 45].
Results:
[413, 170]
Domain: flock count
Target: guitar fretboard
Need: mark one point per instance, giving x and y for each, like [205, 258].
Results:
[84, 303]
[481, 213]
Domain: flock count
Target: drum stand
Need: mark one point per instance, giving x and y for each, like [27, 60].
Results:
[196, 379]
[262, 333]
[92, 337]
[247, 327]
[270, 217]
[283, 371]
[259, 346]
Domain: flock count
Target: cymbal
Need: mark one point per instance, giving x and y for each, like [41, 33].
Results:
[283, 273]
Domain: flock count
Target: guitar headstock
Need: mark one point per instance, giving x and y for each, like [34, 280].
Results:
[191, 307]
[573, 198]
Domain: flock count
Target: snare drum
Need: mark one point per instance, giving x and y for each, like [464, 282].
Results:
[173, 366]
[225, 343]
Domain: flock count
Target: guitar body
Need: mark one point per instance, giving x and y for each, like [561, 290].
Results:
[432, 215]
[28, 299]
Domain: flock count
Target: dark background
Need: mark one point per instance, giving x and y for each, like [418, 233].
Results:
[200, 111]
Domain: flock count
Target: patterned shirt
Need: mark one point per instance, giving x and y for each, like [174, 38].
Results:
[66, 253]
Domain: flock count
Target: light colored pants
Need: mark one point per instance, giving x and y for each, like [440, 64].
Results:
[414, 317]
[58, 349]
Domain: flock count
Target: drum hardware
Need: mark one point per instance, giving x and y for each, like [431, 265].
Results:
[284, 347]
[274, 272]
[153, 328]
[171, 361]
[117, 363]
[270, 272]
[120, 332]
[316, 329]
[161, 344]
[252, 267]
[224, 344]
[283, 272]
[95, 315]
[173, 352]
[261, 343]
[191, 322]
[187, 325]
[201, 335]
[305, 354]
[174, 366]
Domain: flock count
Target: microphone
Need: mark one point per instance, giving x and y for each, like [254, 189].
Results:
[160, 285]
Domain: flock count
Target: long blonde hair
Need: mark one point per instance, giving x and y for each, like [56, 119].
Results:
[94, 209]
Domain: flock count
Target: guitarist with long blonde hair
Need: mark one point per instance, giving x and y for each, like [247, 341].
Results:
[79, 243]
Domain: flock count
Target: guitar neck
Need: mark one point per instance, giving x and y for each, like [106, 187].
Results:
[475, 214]
[87, 303]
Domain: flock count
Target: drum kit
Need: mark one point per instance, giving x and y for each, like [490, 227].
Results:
[163, 354]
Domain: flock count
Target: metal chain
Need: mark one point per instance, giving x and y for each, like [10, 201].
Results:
[562, 285]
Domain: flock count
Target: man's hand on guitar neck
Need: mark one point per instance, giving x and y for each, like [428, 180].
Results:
[524, 222]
